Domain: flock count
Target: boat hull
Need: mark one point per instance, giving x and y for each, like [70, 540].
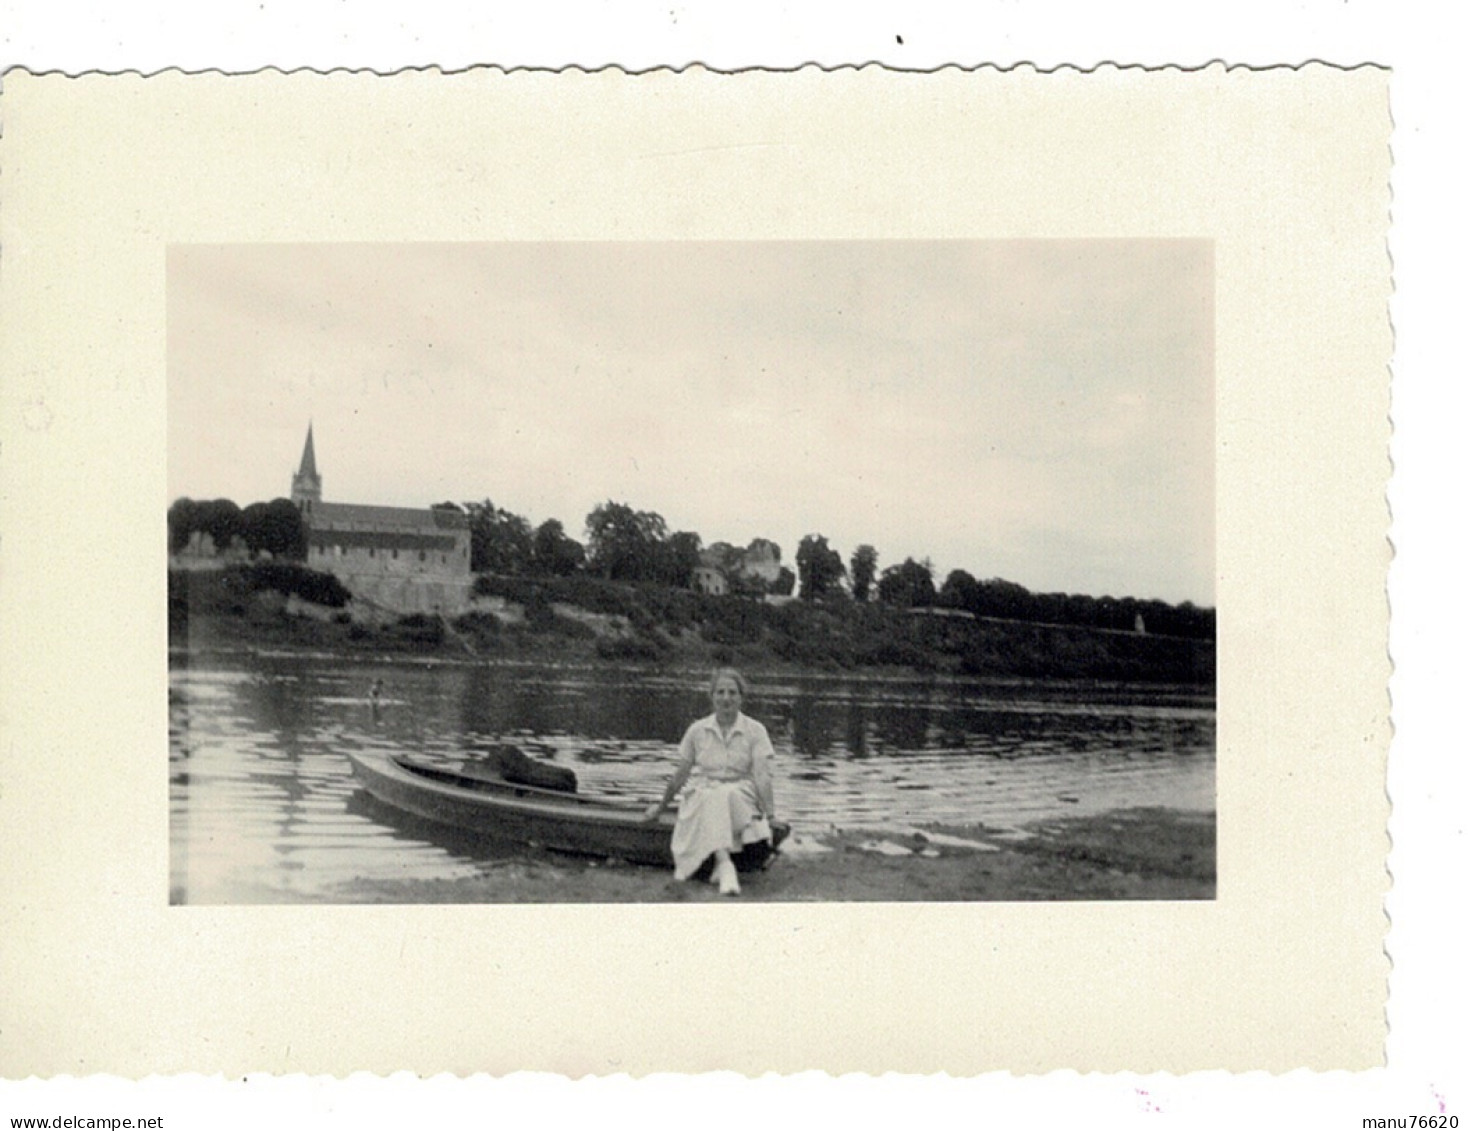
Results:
[508, 812]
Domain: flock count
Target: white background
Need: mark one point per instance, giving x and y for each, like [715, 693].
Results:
[1426, 1048]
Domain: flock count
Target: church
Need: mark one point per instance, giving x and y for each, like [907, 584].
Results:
[399, 560]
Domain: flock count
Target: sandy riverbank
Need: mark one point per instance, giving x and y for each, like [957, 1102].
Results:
[1132, 854]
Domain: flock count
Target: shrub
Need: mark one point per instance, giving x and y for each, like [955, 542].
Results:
[571, 628]
[732, 621]
[418, 631]
[517, 589]
[478, 624]
[593, 594]
[897, 653]
[635, 648]
[539, 616]
[289, 579]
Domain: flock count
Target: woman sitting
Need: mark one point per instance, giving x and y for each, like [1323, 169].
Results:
[731, 801]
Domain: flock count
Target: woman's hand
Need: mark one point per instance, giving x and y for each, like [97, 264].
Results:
[653, 812]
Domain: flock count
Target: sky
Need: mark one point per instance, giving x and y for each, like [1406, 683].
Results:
[1037, 410]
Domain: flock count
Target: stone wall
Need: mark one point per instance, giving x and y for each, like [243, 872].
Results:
[410, 594]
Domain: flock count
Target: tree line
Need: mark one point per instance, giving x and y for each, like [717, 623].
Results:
[628, 545]
[274, 528]
[622, 544]
[912, 584]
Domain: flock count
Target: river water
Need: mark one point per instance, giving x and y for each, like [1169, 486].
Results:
[263, 804]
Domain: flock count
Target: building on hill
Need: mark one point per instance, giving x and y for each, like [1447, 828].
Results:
[401, 559]
[724, 568]
[710, 579]
[762, 560]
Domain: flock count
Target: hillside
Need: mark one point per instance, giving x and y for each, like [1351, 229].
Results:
[586, 620]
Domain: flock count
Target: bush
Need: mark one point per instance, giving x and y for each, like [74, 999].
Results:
[478, 624]
[897, 653]
[482, 630]
[677, 609]
[289, 580]
[732, 621]
[539, 616]
[590, 593]
[571, 628]
[636, 648]
[517, 589]
[417, 631]
[593, 594]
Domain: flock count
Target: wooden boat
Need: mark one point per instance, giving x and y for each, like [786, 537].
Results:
[509, 811]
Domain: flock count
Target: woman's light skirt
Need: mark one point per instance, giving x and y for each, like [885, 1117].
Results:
[716, 815]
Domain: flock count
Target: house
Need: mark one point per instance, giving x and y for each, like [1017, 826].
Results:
[724, 568]
[401, 559]
[710, 579]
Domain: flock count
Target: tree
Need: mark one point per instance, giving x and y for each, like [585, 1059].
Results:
[909, 585]
[623, 544]
[499, 541]
[863, 571]
[181, 524]
[275, 528]
[723, 556]
[218, 518]
[820, 567]
[961, 590]
[553, 552]
[785, 584]
[744, 584]
[678, 558]
[1007, 599]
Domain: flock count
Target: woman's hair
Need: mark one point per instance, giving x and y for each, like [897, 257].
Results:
[730, 673]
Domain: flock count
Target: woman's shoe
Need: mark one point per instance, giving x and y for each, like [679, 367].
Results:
[728, 878]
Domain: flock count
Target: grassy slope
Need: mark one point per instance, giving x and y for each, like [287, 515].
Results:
[662, 626]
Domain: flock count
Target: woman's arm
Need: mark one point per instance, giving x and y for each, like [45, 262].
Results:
[763, 772]
[680, 775]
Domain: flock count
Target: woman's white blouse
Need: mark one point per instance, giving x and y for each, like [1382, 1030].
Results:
[747, 754]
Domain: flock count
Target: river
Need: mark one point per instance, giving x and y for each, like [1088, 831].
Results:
[263, 805]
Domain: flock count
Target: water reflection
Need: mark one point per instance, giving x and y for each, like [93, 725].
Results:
[263, 803]
[595, 709]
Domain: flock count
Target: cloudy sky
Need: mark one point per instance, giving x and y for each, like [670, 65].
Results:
[1040, 411]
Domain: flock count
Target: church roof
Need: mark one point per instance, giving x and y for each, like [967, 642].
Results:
[327, 516]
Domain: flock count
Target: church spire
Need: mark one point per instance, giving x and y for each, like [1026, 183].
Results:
[306, 483]
[308, 457]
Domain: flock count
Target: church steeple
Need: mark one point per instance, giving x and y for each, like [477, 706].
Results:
[306, 483]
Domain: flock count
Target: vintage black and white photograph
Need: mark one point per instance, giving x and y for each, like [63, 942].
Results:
[691, 571]
[594, 573]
